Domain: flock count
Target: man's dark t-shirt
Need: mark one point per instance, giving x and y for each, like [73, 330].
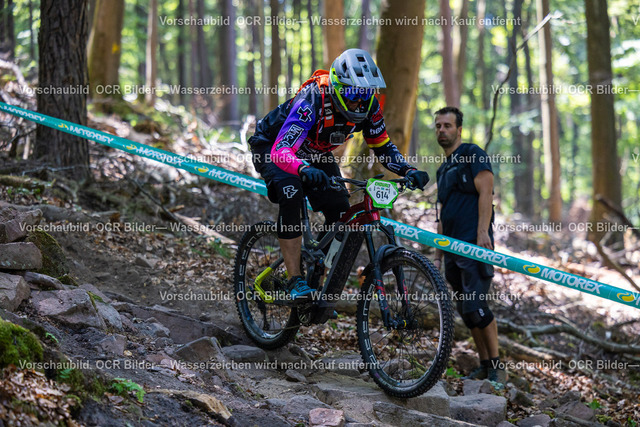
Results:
[457, 192]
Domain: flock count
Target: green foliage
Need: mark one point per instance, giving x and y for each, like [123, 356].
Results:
[123, 387]
[452, 373]
[221, 249]
[631, 422]
[18, 345]
[594, 404]
[49, 336]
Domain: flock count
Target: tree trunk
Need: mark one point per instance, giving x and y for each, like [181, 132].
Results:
[264, 70]
[334, 43]
[276, 63]
[449, 79]
[528, 159]
[62, 45]
[32, 38]
[461, 36]
[104, 48]
[230, 111]
[482, 67]
[400, 67]
[604, 153]
[550, 138]
[182, 63]
[312, 37]
[523, 194]
[251, 69]
[363, 36]
[7, 31]
[152, 48]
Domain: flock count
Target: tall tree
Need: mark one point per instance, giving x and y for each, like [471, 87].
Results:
[276, 62]
[604, 153]
[104, 48]
[550, 138]
[182, 63]
[363, 36]
[449, 79]
[334, 43]
[312, 37]
[229, 74]
[152, 49]
[523, 191]
[400, 67]
[7, 31]
[482, 77]
[461, 36]
[62, 45]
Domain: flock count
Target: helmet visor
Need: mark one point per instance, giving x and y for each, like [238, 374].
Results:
[354, 93]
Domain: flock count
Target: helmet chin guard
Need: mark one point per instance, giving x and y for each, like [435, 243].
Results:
[354, 67]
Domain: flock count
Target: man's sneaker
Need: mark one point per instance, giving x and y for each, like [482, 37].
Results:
[498, 376]
[299, 288]
[480, 373]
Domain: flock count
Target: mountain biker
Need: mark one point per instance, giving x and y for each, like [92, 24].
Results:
[293, 143]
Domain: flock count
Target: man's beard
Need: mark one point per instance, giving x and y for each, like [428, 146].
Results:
[445, 142]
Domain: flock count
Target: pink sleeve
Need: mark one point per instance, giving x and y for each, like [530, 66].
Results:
[291, 136]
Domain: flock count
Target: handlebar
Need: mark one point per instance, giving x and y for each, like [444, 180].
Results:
[337, 181]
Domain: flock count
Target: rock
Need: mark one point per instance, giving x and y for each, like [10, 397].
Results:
[326, 417]
[466, 363]
[295, 376]
[570, 396]
[206, 402]
[505, 424]
[153, 329]
[73, 308]
[519, 382]
[183, 329]
[13, 290]
[44, 282]
[395, 415]
[481, 408]
[114, 344]
[300, 406]
[520, 398]
[109, 314]
[20, 256]
[549, 402]
[435, 401]
[145, 262]
[471, 387]
[97, 293]
[350, 365]
[578, 410]
[54, 261]
[200, 350]
[14, 225]
[245, 353]
[542, 420]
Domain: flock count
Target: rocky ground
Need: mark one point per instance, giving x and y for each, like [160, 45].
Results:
[138, 327]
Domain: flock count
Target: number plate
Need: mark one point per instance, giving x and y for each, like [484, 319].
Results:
[383, 193]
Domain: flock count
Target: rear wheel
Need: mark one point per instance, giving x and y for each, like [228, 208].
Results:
[259, 278]
[407, 359]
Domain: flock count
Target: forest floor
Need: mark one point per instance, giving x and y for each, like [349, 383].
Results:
[147, 263]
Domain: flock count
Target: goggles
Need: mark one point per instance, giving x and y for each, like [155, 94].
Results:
[354, 93]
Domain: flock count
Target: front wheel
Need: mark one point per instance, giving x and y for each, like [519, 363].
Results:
[259, 280]
[408, 355]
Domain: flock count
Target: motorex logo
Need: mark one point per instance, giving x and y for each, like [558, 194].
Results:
[442, 242]
[533, 269]
[627, 297]
[567, 279]
[26, 114]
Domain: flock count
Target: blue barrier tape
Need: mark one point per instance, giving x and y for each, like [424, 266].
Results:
[415, 234]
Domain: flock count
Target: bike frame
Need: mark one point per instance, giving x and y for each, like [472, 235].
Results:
[357, 224]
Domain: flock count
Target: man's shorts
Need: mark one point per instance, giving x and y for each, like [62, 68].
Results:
[469, 279]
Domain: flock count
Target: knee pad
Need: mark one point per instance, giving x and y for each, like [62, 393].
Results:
[479, 318]
[288, 193]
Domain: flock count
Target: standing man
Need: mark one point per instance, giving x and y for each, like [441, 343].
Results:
[465, 192]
